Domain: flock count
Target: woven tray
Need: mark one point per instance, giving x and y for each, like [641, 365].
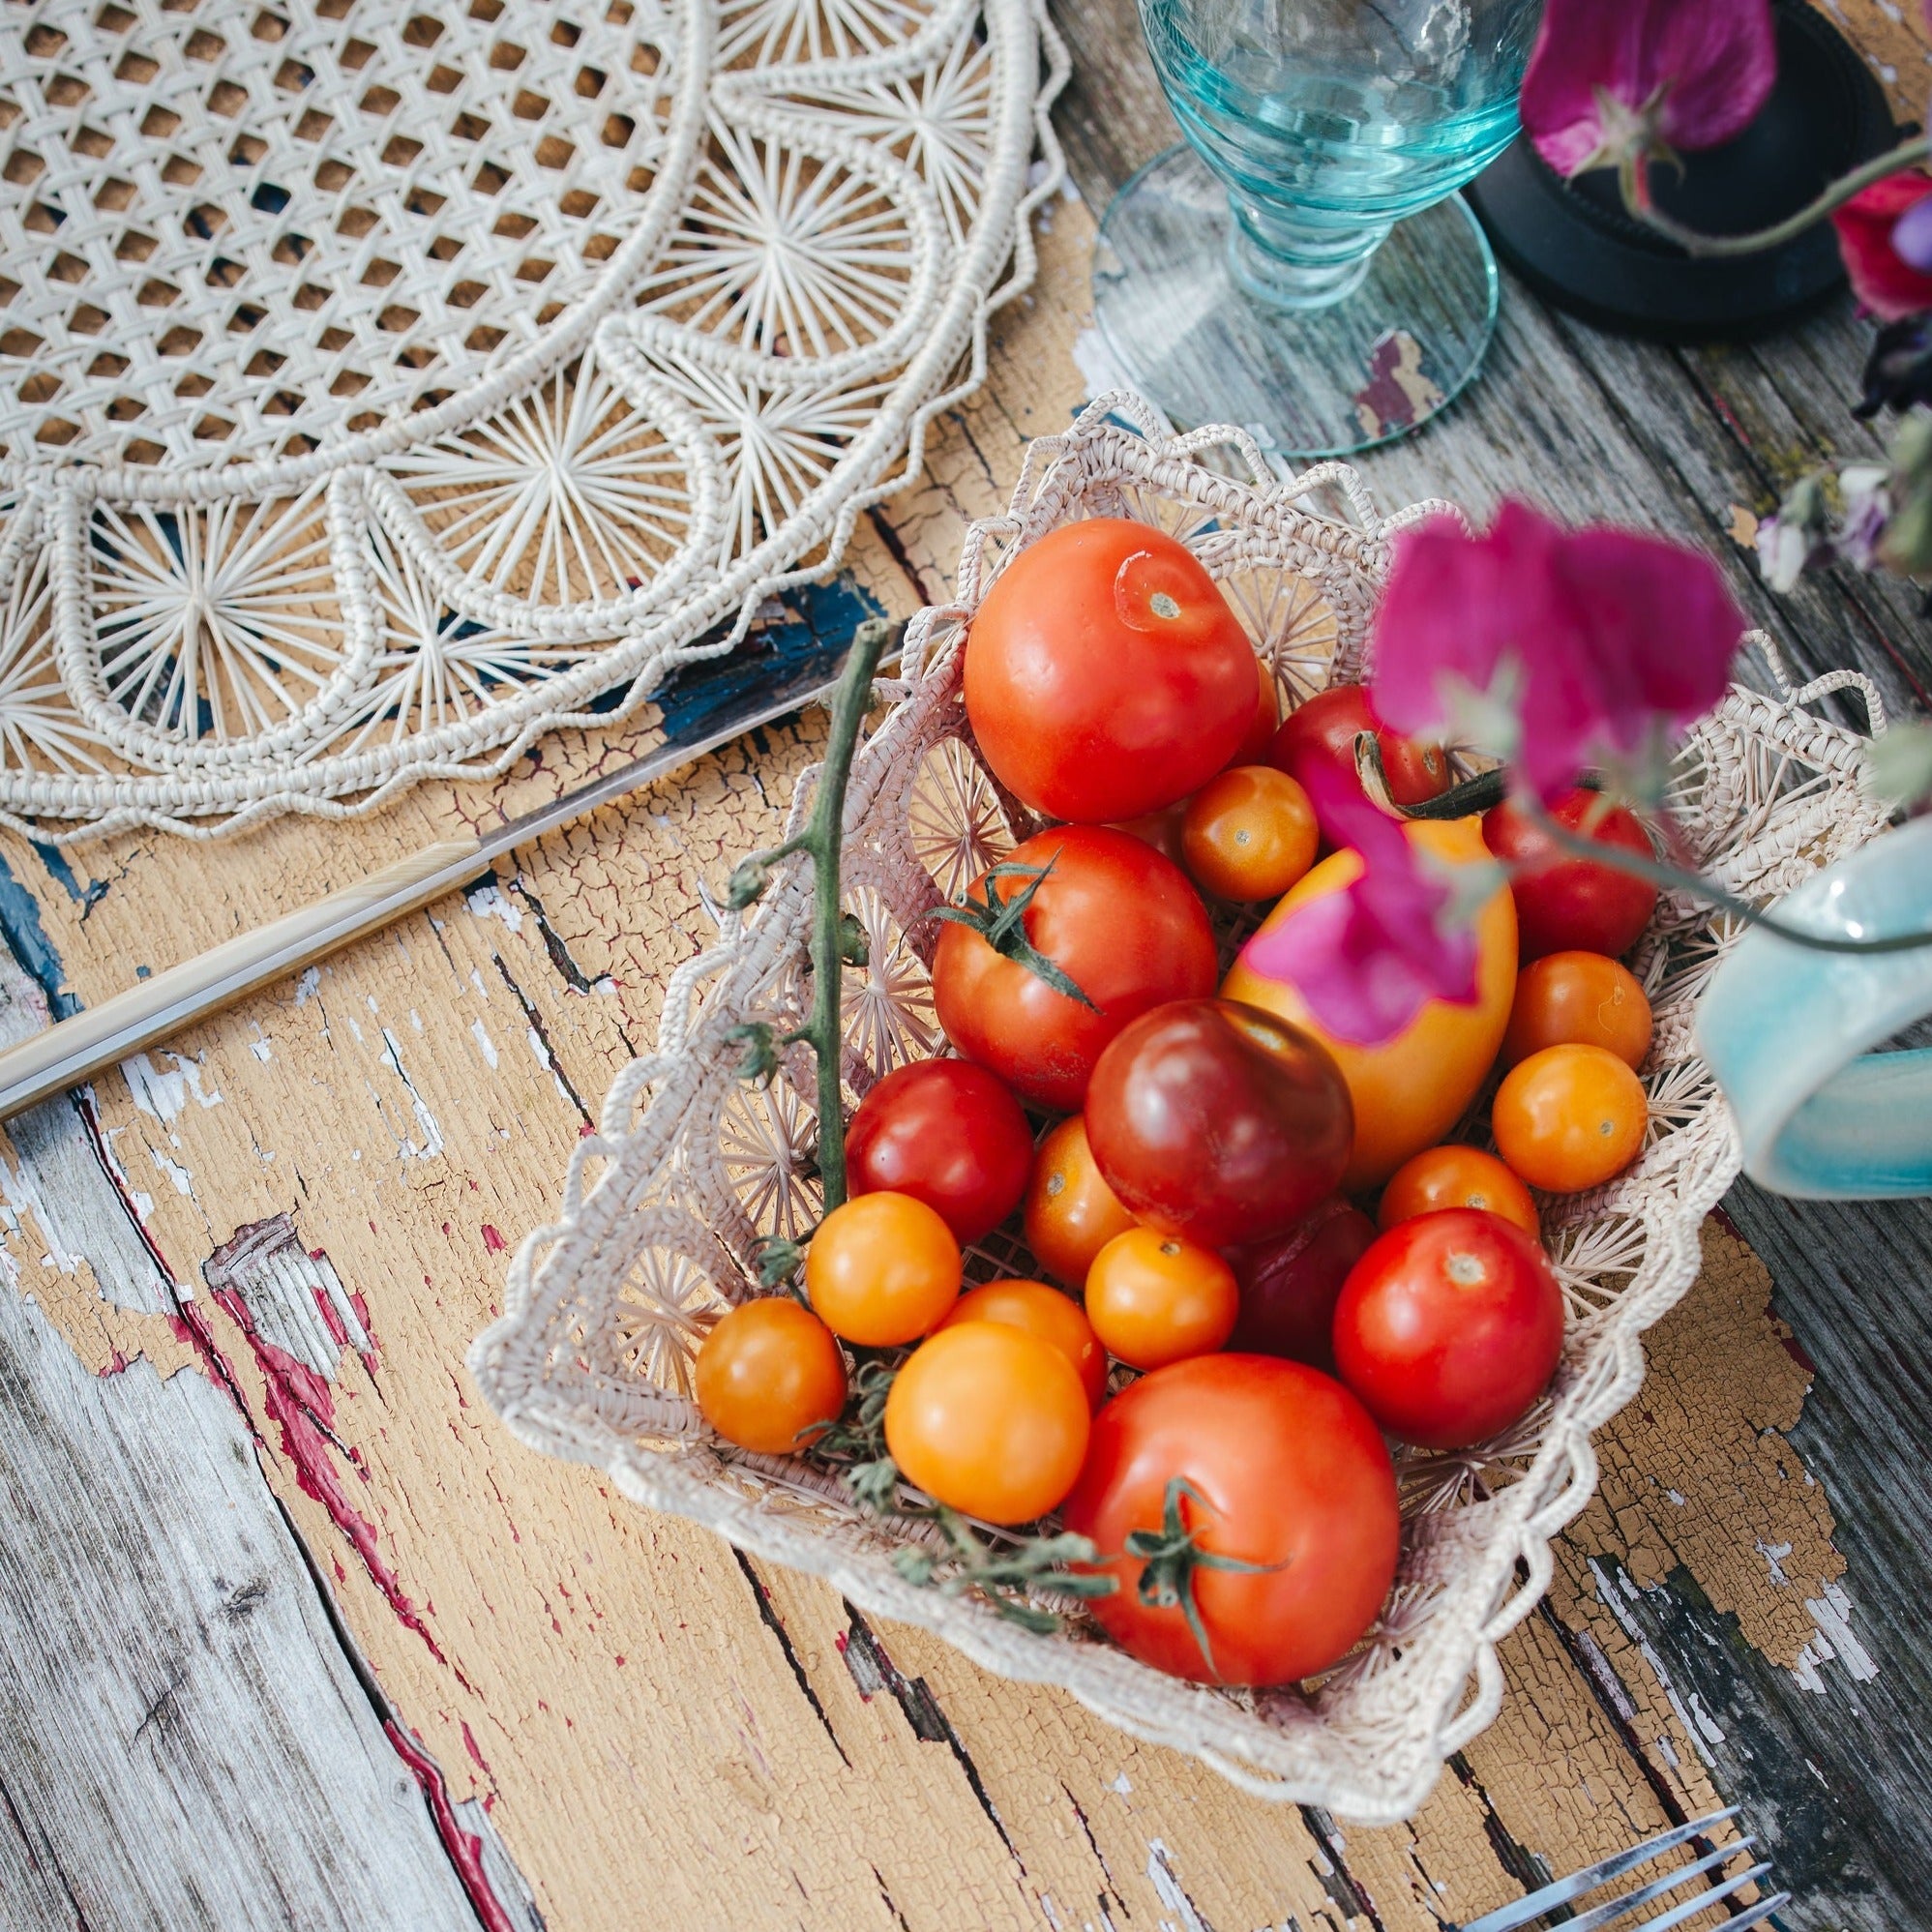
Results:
[662, 1207]
[382, 387]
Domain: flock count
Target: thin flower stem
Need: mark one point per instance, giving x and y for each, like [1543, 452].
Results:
[1668, 878]
[1908, 154]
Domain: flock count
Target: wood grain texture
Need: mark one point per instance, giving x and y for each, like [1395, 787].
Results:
[658, 1727]
[183, 1741]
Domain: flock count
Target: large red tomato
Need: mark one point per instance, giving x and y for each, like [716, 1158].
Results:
[1263, 1462]
[1569, 905]
[1105, 674]
[947, 1133]
[1218, 1121]
[1449, 1327]
[1289, 1286]
[1322, 729]
[1118, 920]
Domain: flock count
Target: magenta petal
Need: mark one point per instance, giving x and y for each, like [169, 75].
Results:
[1912, 237]
[1369, 958]
[1603, 638]
[1701, 68]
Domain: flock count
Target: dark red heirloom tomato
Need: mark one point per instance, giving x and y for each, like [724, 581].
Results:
[1117, 919]
[1449, 1327]
[1105, 674]
[1219, 1122]
[947, 1133]
[1570, 904]
[1289, 1286]
[1322, 730]
[1288, 1475]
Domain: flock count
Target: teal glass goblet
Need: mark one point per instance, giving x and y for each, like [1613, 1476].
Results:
[1304, 267]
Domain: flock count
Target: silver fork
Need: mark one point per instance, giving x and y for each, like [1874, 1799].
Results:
[1619, 1910]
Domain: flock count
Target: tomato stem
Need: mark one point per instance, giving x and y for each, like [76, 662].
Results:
[1170, 1557]
[1002, 924]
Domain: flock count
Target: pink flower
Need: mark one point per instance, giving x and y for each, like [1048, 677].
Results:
[1612, 83]
[1549, 648]
[1881, 237]
[1368, 957]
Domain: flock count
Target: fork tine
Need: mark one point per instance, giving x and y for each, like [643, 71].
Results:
[1703, 1900]
[1752, 1914]
[1506, 1918]
[1619, 1909]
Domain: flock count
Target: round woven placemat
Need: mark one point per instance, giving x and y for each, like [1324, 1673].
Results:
[380, 389]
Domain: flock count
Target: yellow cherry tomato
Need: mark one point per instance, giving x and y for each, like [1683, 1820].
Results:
[882, 1269]
[1154, 1298]
[1456, 1176]
[1410, 1090]
[1041, 1311]
[767, 1374]
[1071, 1212]
[1569, 1117]
[1249, 834]
[989, 1419]
[1573, 998]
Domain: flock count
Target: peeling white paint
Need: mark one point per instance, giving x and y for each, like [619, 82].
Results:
[1774, 1555]
[22, 1195]
[544, 1060]
[306, 985]
[165, 1095]
[476, 980]
[485, 1044]
[1833, 1642]
[431, 1144]
[1121, 1785]
[488, 902]
[1698, 1725]
[184, 1183]
[1167, 1889]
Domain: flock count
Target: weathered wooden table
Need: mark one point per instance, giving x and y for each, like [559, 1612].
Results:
[296, 1635]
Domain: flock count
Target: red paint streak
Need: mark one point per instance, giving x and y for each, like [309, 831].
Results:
[1730, 416]
[300, 1402]
[492, 1239]
[476, 1756]
[331, 1320]
[463, 1848]
[361, 1308]
[117, 1364]
[1725, 1222]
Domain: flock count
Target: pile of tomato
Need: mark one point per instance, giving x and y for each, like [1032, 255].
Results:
[1262, 1220]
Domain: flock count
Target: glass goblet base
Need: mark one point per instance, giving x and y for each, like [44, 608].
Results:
[1305, 381]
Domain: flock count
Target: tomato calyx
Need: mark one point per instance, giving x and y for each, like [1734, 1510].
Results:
[854, 1446]
[1170, 1557]
[1005, 1579]
[1002, 924]
[778, 1260]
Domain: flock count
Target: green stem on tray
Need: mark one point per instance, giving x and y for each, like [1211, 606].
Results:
[831, 942]
[1896, 160]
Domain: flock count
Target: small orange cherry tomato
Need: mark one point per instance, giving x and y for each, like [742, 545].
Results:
[882, 1269]
[1071, 1212]
[1044, 1312]
[1569, 1117]
[989, 1419]
[767, 1373]
[1154, 1298]
[1454, 1177]
[1249, 834]
[1578, 999]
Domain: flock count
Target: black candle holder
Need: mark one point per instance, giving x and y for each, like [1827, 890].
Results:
[1577, 246]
